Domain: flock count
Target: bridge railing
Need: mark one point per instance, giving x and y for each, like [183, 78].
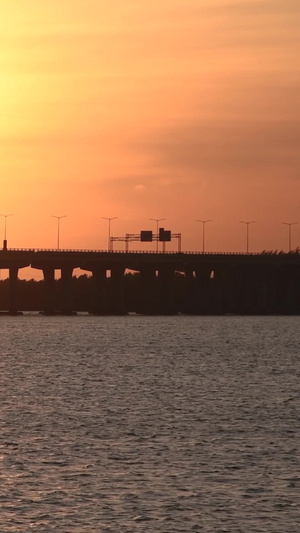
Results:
[152, 252]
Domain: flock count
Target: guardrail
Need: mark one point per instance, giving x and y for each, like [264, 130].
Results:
[152, 252]
[82, 250]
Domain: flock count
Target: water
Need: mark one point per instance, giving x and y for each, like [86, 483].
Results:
[150, 424]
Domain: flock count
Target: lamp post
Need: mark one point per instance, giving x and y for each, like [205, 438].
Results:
[248, 222]
[290, 224]
[157, 220]
[5, 240]
[58, 224]
[109, 221]
[203, 232]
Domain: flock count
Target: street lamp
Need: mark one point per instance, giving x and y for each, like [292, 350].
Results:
[203, 232]
[58, 223]
[5, 240]
[109, 220]
[248, 222]
[290, 224]
[157, 220]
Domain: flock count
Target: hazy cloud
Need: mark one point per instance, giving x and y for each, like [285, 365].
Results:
[227, 147]
[157, 33]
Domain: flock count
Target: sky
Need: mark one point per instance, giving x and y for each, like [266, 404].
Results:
[184, 110]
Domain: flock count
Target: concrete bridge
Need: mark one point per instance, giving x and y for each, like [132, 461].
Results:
[213, 283]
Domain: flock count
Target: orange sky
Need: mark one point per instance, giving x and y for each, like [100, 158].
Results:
[183, 110]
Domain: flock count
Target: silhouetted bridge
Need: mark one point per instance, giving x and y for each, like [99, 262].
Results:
[211, 283]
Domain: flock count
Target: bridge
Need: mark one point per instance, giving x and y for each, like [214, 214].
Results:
[211, 283]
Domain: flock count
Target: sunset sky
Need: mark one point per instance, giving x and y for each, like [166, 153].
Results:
[181, 110]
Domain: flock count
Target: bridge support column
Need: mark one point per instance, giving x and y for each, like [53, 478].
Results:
[166, 291]
[287, 290]
[271, 291]
[190, 300]
[218, 291]
[148, 302]
[49, 306]
[297, 292]
[238, 283]
[264, 291]
[13, 278]
[203, 292]
[256, 282]
[99, 304]
[116, 299]
[66, 282]
[230, 281]
[245, 292]
[262, 297]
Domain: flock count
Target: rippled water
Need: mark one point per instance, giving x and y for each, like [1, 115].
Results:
[159, 424]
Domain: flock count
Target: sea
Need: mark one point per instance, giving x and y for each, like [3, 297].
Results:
[150, 424]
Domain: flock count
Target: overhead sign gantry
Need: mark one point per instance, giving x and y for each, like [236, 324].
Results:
[163, 236]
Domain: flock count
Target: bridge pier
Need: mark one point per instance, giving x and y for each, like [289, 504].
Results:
[256, 284]
[216, 301]
[166, 291]
[203, 291]
[13, 278]
[287, 287]
[116, 296]
[189, 304]
[231, 290]
[244, 292]
[108, 294]
[99, 304]
[266, 298]
[263, 293]
[148, 302]
[66, 286]
[296, 289]
[49, 291]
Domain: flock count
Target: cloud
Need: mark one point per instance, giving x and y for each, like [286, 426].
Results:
[254, 7]
[153, 34]
[141, 181]
[227, 148]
